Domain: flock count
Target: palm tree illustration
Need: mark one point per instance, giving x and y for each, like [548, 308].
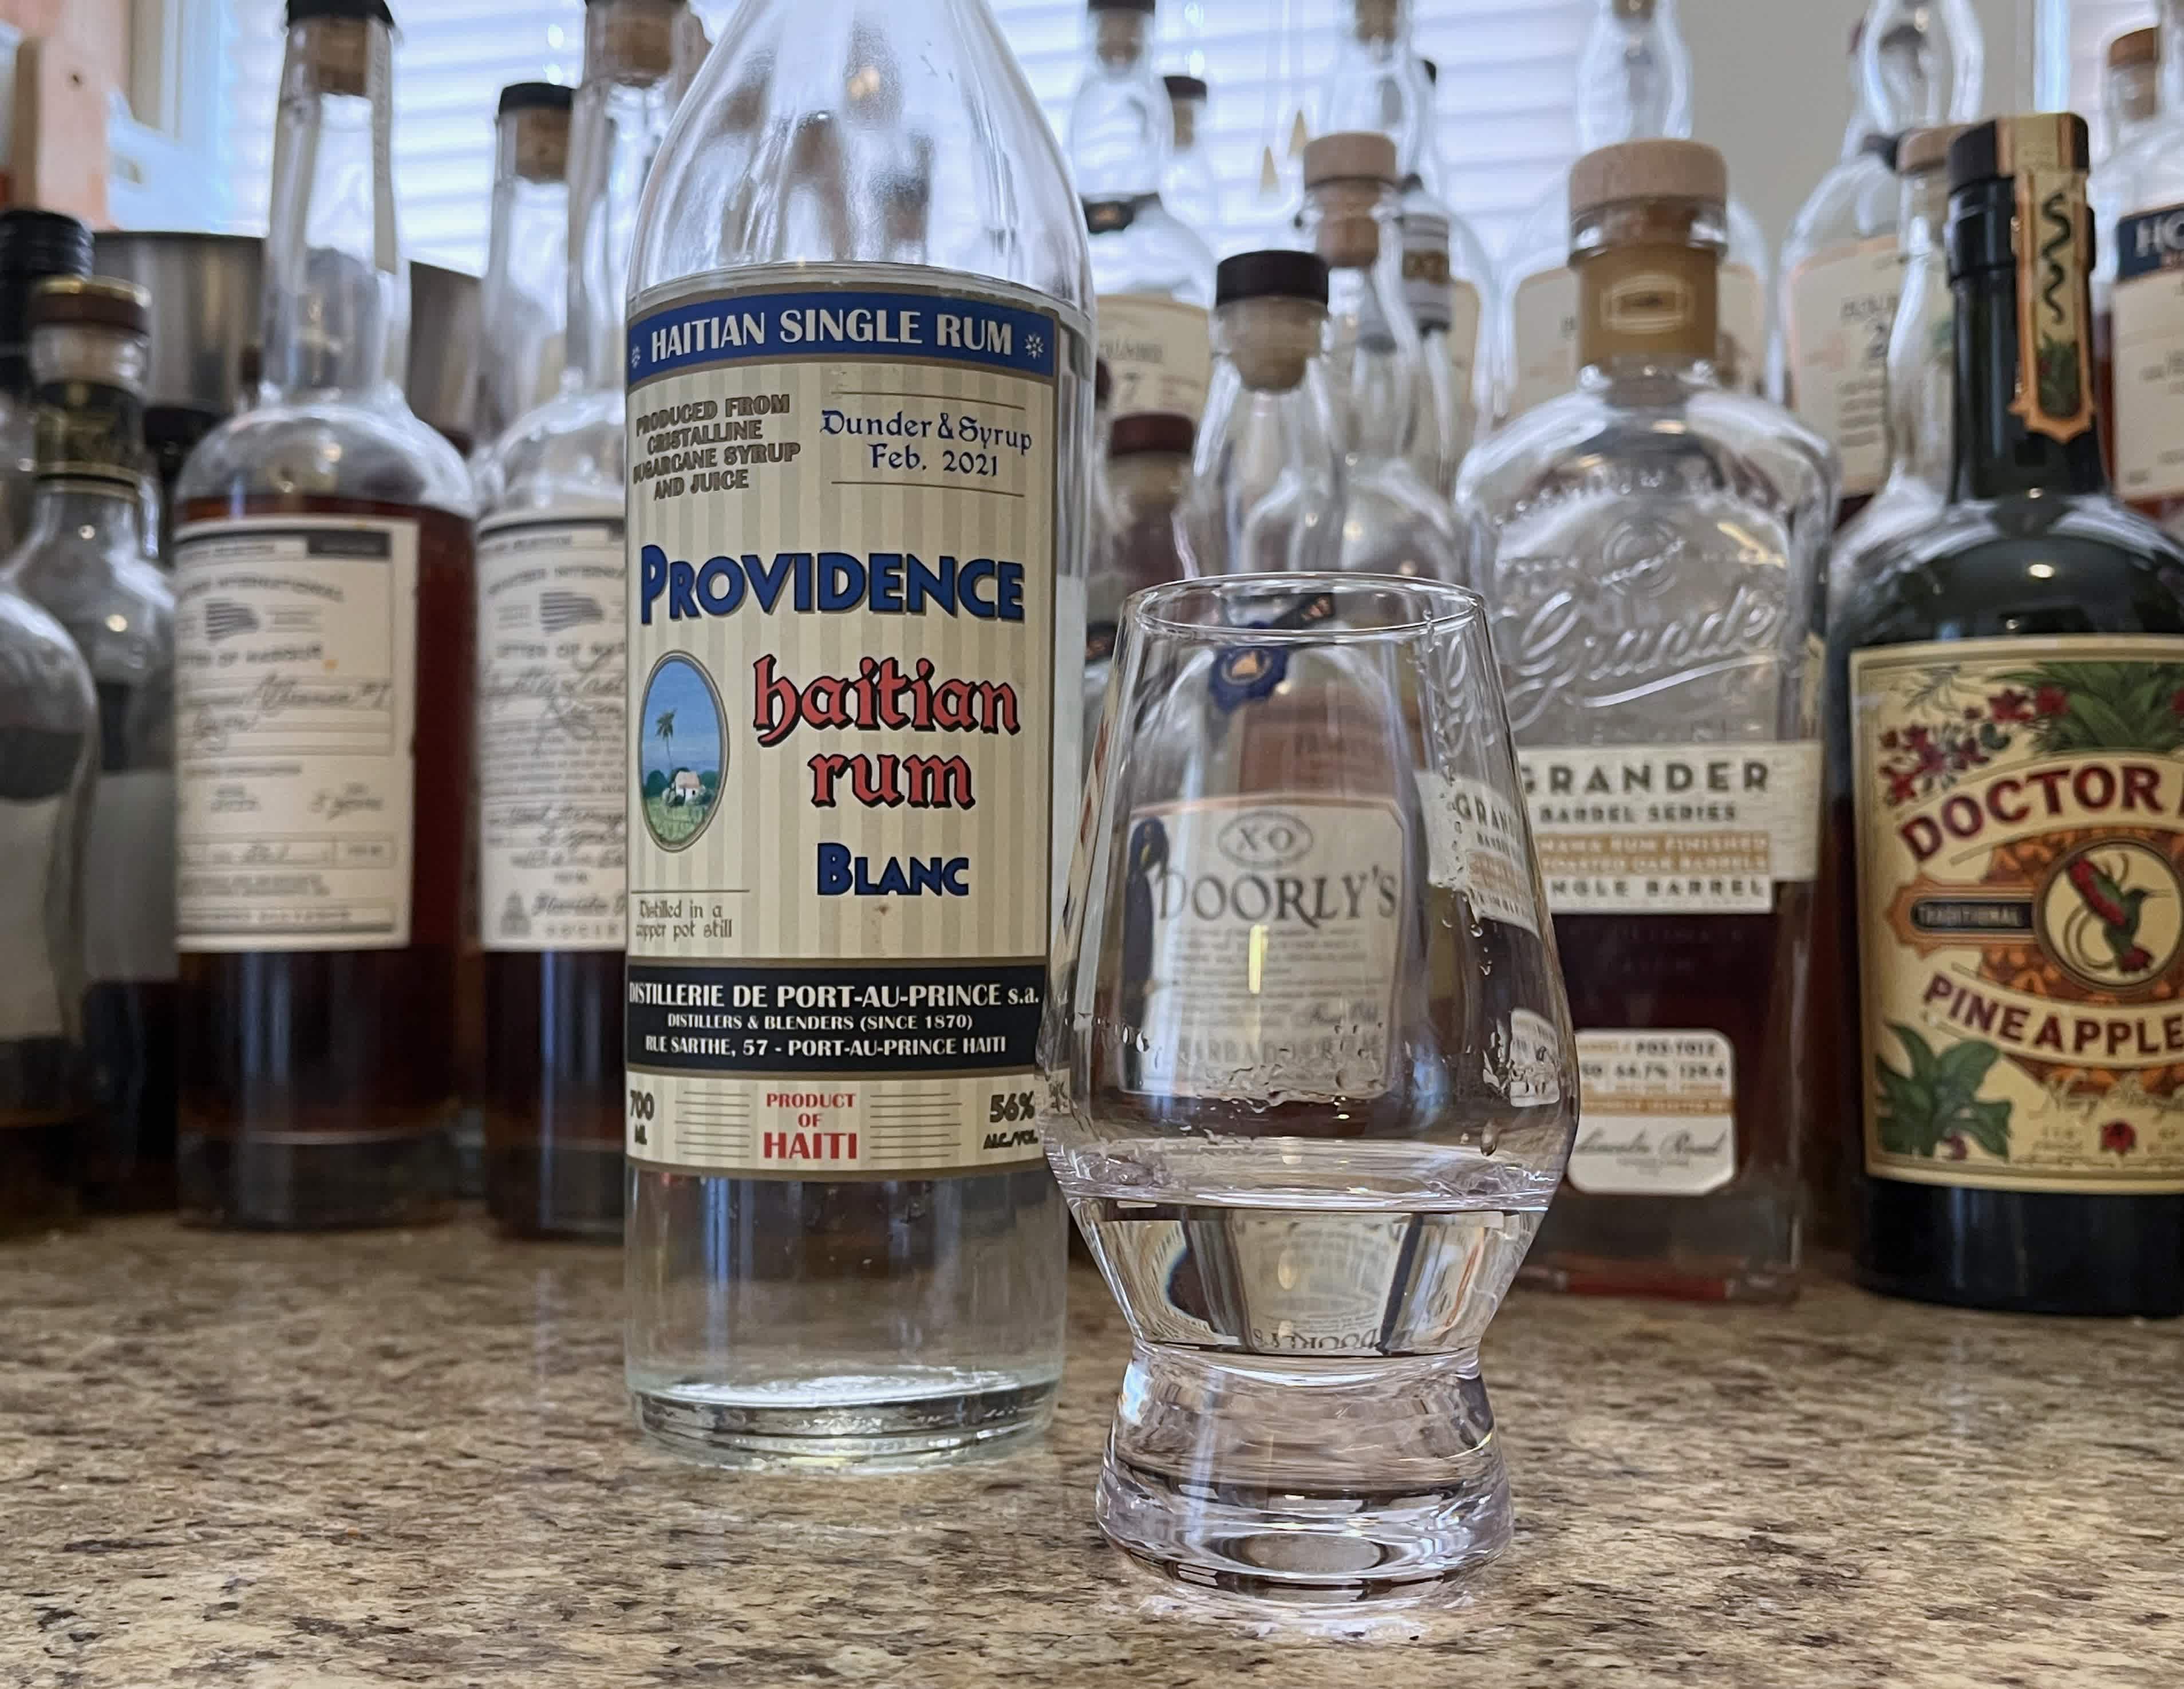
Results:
[664, 731]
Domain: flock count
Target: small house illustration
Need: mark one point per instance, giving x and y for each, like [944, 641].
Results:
[685, 791]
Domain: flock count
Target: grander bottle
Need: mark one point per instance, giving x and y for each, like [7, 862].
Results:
[323, 619]
[552, 738]
[2007, 717]
[1651, 545]
[90, 562]
[859, 471]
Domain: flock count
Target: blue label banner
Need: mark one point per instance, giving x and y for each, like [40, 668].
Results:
[741, 328]
[2149, 241]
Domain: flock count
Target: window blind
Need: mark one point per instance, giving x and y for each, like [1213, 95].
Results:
[1507, 98]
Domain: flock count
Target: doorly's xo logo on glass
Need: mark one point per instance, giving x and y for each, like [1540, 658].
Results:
[1266, 839]
[682, 752]
[2112, 914]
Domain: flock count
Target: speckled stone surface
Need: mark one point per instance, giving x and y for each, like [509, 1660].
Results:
[405, 1459]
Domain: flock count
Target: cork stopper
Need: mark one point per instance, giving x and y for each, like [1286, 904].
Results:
[638, 37]
[1353, 155]
[1270, 312]
[340, 55]
[1374, 20]
[2135, 47]
[1646, 170]
[1635, 11]
[1152, 431]
[540, 112]
[91, 302]
[1924, 150]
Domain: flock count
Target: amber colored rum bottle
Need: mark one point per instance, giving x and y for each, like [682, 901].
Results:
[323, 583]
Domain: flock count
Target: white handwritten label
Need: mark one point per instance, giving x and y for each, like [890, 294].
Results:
[1158, 352]
[1659, 1114]
[553, 817]
[295, 708]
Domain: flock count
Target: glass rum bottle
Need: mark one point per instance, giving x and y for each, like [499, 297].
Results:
[523, 298]
[856, 637]
[1651, 545]
[323, 617]
[553, 740]
[90, 562]
[2008, 707]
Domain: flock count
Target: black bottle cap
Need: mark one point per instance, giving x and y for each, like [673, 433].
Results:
[1144, 6]
[1184, 87]
[1432, 70]
[1275, 273]
[35, 243]
[1994, 151]
[1151, 431]
[535, 96]
[357, 11]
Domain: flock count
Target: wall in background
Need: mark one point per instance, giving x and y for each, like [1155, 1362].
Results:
[1771, 88]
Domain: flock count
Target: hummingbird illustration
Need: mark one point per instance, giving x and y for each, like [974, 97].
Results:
[2118, 911]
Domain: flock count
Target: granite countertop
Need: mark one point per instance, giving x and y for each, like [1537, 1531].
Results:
[404, 1458]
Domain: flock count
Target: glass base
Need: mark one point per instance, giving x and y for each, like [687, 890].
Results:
[252, 1184]
[1306, 1482]
[894, 1422]
[538, 1190]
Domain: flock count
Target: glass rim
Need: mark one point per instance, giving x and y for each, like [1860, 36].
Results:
[1439, 604]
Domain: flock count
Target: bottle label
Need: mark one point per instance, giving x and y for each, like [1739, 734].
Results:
[1270, 929]
[2149, 354]
[34, 928]
[552, 694]
[129, 869]
[1659, 829]
[2055, 259]
[1475, 846]
[2020, 808]
[1159, 354]
[1659, 1117]
[1547, 325]
[1842, 305]
[295, 710]
[843, 705]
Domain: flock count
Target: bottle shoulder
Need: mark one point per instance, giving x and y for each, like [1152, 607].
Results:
[45, 685]
[788, 135]
[2018, 566]
[378, 452]
[80, 581]
[1156, 253]
[1858, 200]
[1695, 435]
[570, 452]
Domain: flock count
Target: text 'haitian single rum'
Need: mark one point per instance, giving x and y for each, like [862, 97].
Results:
[323, 601]
[856, 634]
[553, 735]
[2007, 721]
[1651, 545]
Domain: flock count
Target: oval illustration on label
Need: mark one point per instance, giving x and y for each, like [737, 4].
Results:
[1266, 839]
[682, 752]
[2112, 915]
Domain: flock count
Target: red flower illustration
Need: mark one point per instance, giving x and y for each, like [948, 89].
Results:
[2119, 1136]
[1889, 740]
[2176, 701]
[1932, 759]
[1971, 715]
[2051, 700]
[1958, 1148]
[1902, 787]
[2009, 705]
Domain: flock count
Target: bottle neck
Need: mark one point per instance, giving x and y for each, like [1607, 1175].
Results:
[1922, 63]
[1354, 226]
[337, 308]
[525, 294]
[1635, 76]
[2024, 417]
[2130, 96]
[1921, 345]
[1863, 123]
[2172, 55]
[629, 92]
[91, 465]
[1648, 286]
[1119, 124]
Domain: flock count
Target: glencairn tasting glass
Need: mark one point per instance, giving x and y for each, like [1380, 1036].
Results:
[1308, 1081]
[323, 657]
[843, 1250]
